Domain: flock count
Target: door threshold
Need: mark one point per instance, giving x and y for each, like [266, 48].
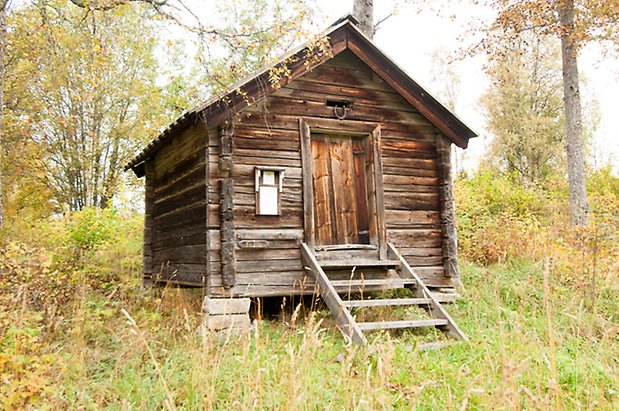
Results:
[336, 247]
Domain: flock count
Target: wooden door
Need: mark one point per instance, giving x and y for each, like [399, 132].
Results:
[340, 190]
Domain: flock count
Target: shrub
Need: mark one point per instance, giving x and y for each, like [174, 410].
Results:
[26, 368]
[90, 248]
[497, 218]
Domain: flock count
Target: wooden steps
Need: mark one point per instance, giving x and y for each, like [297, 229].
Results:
[388, 283]
[358, 262]
[407, 278]
[387, 302]
[390, 325]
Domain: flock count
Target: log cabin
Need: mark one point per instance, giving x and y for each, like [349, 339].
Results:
[328, 170]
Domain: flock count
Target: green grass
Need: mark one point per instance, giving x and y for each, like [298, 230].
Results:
[534, 344]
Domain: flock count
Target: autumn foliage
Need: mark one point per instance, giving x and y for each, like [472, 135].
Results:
[499, 220]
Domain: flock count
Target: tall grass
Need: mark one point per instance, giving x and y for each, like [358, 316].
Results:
[533, 345]
[539, 304]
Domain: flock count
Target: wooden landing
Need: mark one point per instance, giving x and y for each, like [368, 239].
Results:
[358, 262]
[330, 291]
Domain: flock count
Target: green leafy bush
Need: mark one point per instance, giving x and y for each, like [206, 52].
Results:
[500, 220]
[497, 218]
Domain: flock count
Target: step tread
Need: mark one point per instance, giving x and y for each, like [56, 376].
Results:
[387, 302]
[384, 325]
[357, 262]
[398, 282]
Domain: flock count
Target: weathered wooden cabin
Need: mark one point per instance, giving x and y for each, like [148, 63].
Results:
[333, 160]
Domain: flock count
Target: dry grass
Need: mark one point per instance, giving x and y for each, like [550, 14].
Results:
[534, 345]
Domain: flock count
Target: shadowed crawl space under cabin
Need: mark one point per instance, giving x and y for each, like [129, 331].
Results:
[328, 172]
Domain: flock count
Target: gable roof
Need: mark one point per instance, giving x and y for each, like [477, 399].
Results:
[342, 35]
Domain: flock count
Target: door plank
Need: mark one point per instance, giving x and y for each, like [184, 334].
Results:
[342, 167]
[363, 221]
[322, 191]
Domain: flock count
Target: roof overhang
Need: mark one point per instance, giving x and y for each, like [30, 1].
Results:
[343, 35]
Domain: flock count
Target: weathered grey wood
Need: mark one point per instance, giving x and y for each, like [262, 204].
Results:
[149, 199]
[390, 325]
[344, 320]
[187, 145]
[412, 219]
[223, 322]
[176, 273]
[406, 127]
[346, 254]
[418, 238]
[207, 222]
[224, 306]
[357, 262]
[269, 133]
[421, 291]
[379, 192]
[252, 291]
[286, 277]
[308, 186]
[253, 244]
[270, 234]
[447, 207]
[387, 302]
[190, 254]
[344, 247]
[443, 298]
[227, 226]
[384, 282]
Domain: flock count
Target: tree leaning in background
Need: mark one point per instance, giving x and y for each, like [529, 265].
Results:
[524, 108]
[575, 23]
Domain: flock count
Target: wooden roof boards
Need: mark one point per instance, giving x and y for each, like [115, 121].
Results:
[343, 35]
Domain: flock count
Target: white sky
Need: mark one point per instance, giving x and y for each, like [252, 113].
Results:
[410, 38]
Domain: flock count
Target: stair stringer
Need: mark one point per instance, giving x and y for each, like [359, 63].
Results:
[345, 321]
[435, 308]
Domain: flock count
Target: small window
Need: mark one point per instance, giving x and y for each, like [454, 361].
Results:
[269, 184]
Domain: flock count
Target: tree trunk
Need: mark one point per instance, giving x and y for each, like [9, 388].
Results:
[3, 6]
[579, 206]
[363, 11]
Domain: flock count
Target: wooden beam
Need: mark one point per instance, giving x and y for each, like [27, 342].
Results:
[379, 282]
[388, 325]
[379, 192]
[207, 183]
[387, 302]
[308, 184]
[149, 202]
[449, 236]
[358, 262]
[227, 227]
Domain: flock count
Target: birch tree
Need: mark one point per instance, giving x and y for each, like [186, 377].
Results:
[575, 23]
[524, 108]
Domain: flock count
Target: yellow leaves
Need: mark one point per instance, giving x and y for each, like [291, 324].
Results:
[592, 18]
[26, 369]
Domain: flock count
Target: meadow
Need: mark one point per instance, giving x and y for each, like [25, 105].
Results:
[539, 303]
